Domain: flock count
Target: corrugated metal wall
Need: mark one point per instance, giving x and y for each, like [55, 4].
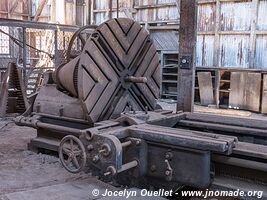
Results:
[232, 34]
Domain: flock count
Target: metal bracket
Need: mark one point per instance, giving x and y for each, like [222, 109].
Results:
[186, 62]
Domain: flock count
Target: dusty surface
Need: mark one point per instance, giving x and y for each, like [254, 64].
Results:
[171, 105]
[21, 169]
[25, 175]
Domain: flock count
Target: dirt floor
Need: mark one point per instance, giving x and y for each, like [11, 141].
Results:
[21, 169]
[25, 175]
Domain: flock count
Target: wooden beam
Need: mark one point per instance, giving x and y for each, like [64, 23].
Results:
[14, 6]
[187, 44]
[216, 55]
[156, 6]
[39, 9]
[110, 10]
[29, 9]
[178, 5]
[74, 15]
[53, 11]
[252, 43]
[88, 11]
[118, 8]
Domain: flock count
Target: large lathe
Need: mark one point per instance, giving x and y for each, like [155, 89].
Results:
[99, 112]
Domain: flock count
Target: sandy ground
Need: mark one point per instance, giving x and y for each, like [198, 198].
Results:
[21, 169]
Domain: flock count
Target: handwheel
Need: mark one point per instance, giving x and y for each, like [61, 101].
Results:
[72, 154]
[77, 35]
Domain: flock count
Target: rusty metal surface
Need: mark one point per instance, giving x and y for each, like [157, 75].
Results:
[117, 50]
[124, 150]
[116, 76]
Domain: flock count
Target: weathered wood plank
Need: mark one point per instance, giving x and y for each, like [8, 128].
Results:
[39, 10]
[264, 95]
[245, 91]
[205, 88]
[252, 91]
[237, 89]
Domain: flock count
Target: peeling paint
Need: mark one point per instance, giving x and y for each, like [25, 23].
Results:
[234, 51]
[262, 15]
[235, 16]
[205, 51]
[261, 52]
[206, 17]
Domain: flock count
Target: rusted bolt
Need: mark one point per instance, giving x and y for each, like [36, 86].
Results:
[110, 171]
[168, 155]
[107, 173]
[105, 150]
[167, 173]
[95, 159]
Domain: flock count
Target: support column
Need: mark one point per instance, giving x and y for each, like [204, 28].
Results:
[187, 44]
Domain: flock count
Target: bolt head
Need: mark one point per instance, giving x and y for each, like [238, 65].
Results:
[167, 173]
[95, 159]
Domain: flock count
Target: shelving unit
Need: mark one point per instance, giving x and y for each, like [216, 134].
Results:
[169, 70]
[224, 87]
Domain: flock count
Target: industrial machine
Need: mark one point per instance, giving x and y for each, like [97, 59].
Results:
[99, 112]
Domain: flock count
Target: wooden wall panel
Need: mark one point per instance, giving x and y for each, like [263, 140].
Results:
[245, 91]
[264, 95]
[236, 16]
[204, 47]
[205, 88]
[261, 52]
[262, 15]
[237, 90]
[238, 28]
[234, 51]
[253, 91]
[206, 17]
